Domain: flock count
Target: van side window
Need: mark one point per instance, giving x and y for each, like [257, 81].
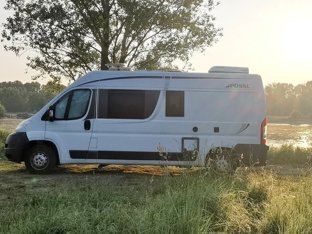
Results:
[73, 105]
[127, 104]
[174, 103]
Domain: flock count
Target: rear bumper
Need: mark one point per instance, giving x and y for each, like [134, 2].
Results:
[15, 145]
[253, 154]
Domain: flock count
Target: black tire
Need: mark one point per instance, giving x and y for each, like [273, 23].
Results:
[101, 166]
[40, 159]
[247, 160]
[222, 161]
[262, 160]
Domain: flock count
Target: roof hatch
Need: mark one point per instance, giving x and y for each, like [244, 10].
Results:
[226, 69]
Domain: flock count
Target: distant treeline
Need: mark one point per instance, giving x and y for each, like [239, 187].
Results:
[282, 99]
[289, 100]
[29, 97]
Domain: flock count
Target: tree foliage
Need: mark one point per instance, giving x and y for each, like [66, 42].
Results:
[69, 38]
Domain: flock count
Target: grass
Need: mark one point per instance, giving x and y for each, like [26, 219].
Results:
[137, 199]
[290, 155]
[105, 203]
[3, 135]
[195, 201]
[9, 124]
[288, 205]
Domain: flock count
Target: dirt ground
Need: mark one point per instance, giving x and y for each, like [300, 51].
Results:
[14, 176]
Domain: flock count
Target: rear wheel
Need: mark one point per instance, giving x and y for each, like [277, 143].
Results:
[222, 160]
[40, 159]
[102, 166]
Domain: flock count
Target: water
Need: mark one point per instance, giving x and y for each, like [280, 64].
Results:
[296, 135]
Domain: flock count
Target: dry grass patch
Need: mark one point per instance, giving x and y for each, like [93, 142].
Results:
[9, 124]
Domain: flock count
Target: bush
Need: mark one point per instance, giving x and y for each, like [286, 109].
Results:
[2, 110]
[3, 135]
[289, 154]
[295, 115]
[23, 115]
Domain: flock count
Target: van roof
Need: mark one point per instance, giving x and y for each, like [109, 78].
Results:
[215, 72]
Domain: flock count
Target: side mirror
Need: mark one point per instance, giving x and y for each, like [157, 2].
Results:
[51, 114]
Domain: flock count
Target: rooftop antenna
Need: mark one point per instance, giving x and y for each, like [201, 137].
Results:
[117, 67]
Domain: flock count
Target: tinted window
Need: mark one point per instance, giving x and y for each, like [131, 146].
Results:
[73, 105]
[127, 104]
[175, 103]
[60, 107]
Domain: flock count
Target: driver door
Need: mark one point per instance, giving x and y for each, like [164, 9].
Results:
[71, 128]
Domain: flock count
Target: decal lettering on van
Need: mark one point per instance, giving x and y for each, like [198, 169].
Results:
[237, 86]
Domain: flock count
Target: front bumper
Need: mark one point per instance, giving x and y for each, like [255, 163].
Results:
[15, 145]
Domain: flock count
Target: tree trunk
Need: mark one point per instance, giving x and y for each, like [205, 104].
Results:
[105, 39]
[104, 58]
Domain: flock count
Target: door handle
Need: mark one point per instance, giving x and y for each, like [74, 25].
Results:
[87, 124]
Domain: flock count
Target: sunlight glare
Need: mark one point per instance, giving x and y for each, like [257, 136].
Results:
[296, 41]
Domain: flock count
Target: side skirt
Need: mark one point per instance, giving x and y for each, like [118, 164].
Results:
[130, 155]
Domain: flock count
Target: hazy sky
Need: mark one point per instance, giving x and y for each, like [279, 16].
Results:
[271, 37]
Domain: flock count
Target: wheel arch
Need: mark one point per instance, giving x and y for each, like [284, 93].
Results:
[222, 159]
[50, 144]
[211, 151]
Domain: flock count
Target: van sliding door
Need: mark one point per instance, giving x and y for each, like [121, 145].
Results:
[124, 128]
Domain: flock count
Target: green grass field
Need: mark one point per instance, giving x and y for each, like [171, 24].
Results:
[147, 199]
[123, 199]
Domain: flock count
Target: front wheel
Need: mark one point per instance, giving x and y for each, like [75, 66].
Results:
[40, 159]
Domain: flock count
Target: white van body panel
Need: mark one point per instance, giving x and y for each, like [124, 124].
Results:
[223, 108]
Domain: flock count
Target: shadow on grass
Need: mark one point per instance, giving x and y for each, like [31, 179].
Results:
[7, 167]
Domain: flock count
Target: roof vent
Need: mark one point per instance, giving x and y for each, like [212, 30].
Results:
[226, 69]
[117, 67]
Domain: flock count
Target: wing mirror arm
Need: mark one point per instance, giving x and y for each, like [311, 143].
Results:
[51, 113]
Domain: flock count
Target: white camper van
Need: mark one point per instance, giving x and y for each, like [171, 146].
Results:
[148, 118]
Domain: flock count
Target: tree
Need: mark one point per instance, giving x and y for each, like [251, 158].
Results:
[281, 98]
[69, 38]
[305, 98]
[2, 110]
[13, 96]
[51, 88]
[29, 97]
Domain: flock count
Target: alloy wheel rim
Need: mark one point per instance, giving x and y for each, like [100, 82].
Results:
[39, 161]
[222, 165]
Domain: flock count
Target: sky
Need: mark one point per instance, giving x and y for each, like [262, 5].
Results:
[271, 37]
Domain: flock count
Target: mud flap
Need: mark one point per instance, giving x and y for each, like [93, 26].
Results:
[253, 154]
